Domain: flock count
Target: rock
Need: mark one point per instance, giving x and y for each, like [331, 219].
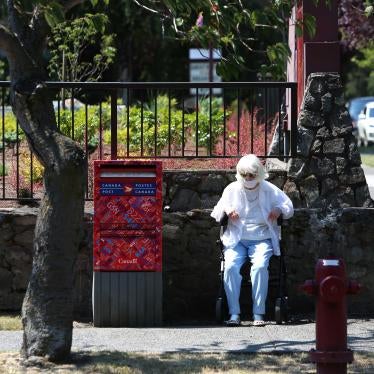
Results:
[309, 119]
[328, 185]
[209, 201]
[316, 84]
[327, 102]
[19, 257]
[304, 141]
[213, 183]
[354, 175]
[334, 146]
[345, 119]
[185, 200]
[362, 196]
[344, 198]
[316, 147]
[322, 167]
[323, 132]
[25, 220]
[21, 279]
[277, 178]
[296, 168]
[312, 103]
[341, 163]
[24, 238]
[356, 254]
[290, 188]
[340, 100]
[354, 154]
[187, 179]
[6, 280]
[333, 83]
[171, 232]
[309, 190]
[273, 164]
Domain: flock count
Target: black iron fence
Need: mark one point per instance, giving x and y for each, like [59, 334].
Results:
[188, 125]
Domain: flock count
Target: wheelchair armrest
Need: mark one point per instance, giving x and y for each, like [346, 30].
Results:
[224, 220]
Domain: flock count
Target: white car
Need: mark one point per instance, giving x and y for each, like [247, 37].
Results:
[365, 125]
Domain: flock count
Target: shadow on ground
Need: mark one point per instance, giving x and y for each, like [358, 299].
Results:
[177, 363]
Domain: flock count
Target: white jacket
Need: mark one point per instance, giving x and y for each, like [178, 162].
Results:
[233, 198]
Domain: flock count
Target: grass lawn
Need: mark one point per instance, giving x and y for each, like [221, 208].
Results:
[367, 155]
[10, 321]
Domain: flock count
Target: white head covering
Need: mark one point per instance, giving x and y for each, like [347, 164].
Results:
[250, 164]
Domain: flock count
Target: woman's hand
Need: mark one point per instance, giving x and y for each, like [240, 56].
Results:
[274, 214]
[233, 215]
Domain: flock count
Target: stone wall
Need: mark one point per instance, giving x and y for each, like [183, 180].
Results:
[191, 260]
[16, 247]
[199, 189]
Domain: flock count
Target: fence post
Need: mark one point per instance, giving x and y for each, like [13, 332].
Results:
[113, 125]
[294, 120]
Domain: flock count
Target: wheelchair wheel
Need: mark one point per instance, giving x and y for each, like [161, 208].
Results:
[219, 310]
[281, 310]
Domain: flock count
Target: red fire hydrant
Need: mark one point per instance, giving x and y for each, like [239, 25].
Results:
[330, 287]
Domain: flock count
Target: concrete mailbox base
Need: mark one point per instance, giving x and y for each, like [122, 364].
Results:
[127, 299]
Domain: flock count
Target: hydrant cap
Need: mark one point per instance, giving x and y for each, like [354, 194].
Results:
[332, 289]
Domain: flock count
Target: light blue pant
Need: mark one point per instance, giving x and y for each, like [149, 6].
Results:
[259, 252]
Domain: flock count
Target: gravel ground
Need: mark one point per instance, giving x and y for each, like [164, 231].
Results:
[295, 337]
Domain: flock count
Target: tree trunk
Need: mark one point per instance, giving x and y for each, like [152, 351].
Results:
[47, 311]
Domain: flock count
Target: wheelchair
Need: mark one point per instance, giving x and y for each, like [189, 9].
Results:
[281, 308]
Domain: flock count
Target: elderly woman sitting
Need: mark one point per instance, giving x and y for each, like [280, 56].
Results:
[253, 206]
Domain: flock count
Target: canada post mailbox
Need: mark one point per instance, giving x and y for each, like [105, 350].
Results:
[127, 243]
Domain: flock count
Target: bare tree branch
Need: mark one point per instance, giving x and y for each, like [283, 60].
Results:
[145, 7]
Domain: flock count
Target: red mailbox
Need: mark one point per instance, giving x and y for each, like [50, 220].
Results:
[127, 243]
[128, 216]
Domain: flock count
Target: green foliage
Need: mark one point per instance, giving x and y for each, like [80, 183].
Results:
[140, 124]
[277, 54]
[369, 8]
[365, 62]
[360, 78]
[210, 126]
[80, 126]
[71, 40]
[249, 33]
[10, 129]
[3, 170]
[2, 70]
[26, 173]
[54, 13]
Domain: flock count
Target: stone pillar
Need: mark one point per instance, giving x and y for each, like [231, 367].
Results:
[328, 173]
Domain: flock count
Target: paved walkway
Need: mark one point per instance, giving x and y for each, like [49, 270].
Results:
[369, 175]
[299, 336]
